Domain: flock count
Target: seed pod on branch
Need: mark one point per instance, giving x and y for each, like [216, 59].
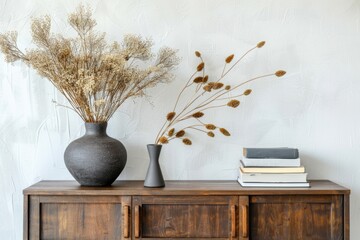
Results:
[205, 79]
[224, 132]
[200, 66]
[210, 134]
[198, 114]
[229, 58]
[260, 44]
[170, 116]
[171, 132]
[180, 133]
[198, 80]
[187, 141]
[210, 126]
[247, 92]
[280, 73]
[218, 85]
[227, 87]
[163, 140]
[233, 103]
[207, 88]
[197, 53]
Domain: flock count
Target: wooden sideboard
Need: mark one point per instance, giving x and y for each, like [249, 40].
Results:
[185, 210]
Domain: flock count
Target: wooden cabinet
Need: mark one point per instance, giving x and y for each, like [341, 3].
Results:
[185, 210]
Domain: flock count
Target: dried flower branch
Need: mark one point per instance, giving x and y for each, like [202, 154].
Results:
[206, 94]
[95, 77]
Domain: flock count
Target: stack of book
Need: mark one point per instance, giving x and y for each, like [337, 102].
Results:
[272, 167]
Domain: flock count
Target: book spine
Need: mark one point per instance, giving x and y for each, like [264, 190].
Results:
[283, 153]
[270, 162]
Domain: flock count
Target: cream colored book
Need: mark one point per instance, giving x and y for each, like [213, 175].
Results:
[273, 177]
[300, 169]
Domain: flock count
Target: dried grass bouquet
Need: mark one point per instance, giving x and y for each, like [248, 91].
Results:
[207, 95]
[95, 77]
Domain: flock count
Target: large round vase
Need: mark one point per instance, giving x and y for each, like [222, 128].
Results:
[95, 159]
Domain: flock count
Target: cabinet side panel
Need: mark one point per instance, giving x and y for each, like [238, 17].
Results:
[26, 217]
[346, 217]
[34, 218]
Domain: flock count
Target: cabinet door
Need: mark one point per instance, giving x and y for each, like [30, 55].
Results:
[193, 217]
[79, 217]
[296, 217]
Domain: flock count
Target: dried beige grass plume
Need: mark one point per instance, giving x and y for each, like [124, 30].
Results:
[95, 77]
[207, 96]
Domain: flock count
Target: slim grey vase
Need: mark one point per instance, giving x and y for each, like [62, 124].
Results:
[154, 177]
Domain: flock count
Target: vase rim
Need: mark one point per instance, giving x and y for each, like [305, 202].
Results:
[95, 124]
[154, 144]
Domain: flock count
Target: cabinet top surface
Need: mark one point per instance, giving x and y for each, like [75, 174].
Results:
[179, 188]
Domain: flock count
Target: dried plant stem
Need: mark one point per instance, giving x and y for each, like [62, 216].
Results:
[198, 103]
[197, 129]
[231, 97]
[181, 92]
[250, 80]
[246, 53]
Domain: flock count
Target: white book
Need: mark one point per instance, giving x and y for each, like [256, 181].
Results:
[272, 177]
[270, 162]
[274, 185]
[300, 169]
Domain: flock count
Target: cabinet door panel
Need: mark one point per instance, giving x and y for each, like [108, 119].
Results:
[71, 217]
[186, 217]
[296, 217]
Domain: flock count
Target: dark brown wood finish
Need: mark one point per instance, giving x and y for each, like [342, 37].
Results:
[297, 217]
[244, 217]
[191, 217]
[185, 209]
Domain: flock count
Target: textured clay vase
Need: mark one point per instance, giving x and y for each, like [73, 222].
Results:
[95, 159]
[154, 177]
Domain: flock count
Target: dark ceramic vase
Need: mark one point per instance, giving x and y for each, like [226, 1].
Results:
[154, 177]
[95, 159]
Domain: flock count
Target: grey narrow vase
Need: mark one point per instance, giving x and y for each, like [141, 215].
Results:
[95, 159]
[154, 177]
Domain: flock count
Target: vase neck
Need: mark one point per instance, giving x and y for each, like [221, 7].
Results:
[154, 151]
[96, 128]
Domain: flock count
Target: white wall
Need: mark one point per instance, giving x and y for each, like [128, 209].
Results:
[316, 107]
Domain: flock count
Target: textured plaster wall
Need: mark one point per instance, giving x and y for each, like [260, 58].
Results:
[316, 107]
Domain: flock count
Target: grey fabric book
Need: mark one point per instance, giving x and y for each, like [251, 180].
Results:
[282, 153]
